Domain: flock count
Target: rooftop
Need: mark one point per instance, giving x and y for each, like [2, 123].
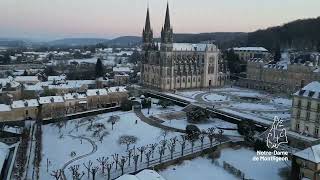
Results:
[311, 154]
[262, 49]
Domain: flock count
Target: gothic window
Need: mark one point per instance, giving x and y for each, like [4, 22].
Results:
[183, 80]
[297, 126]
[188, 79]
[194, 79]
[316, 131]
[199, 79]
[178, 81]
[168, 72]
[168, 81]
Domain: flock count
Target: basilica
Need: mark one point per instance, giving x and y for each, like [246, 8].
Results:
[172, 66]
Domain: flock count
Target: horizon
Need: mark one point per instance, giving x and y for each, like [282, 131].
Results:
[91, 19]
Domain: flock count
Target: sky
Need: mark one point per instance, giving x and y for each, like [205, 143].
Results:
[53, 19]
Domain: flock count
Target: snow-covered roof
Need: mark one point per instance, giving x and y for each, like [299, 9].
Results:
[127, 177]
[311, 90]
[311, 154]
[5, 81]
[26, 78]
[36, 87]
[95, 92]
[193, 47]
[313, 86]
[4, 152]
[121, 69]
[148, 174]
[117, 89]
[50, 99]
[57, 78]
[4, 108]
[262, 49]
[25, 103]
[72, 96]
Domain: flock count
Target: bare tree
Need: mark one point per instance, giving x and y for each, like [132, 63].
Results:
[116, 159]
[113, 120]
[88, 167]
[211, 135]
[220, 135]
[136, 159]
[76, 175]
[171, 147]
[161, 150]
[153, 148]
[202, 140]
[127, 140]
[130, 151]
[56, 174]
[109, 167]
[183, 143]
[122, 162]
[94, 172]
[148, 154]
[141, 150]
[103, 161]
[192, 141]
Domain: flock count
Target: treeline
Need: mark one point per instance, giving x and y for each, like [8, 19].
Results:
[300, 34]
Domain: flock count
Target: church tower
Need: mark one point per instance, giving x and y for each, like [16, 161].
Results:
[167, 33]
[147, 33]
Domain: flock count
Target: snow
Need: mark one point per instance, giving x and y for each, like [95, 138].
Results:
[206, 169]
[215, 97]
[145, 133]
[193, 47]
[127, 177]
[4, 108]
[121, 69]
[313, 86]
[250, 49]
[72, 96]
[189, 94]
[283, 101]
[95, 92]
[50, 99]
[242, 159]
[199, 168]
[57, 78]
[148, 174]
[27, 79]
[4, 152]
[253, 106]
[311, 153]
[117, 89]
[247, 94]
[25, 103]
[181, 97]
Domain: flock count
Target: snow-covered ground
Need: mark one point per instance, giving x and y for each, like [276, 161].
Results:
[189, 94]
[58, 149]
[215, 97]
[206, 169]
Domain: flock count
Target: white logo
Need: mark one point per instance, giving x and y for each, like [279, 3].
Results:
[277, 134]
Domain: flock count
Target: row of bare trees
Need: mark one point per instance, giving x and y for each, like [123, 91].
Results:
[143, 155]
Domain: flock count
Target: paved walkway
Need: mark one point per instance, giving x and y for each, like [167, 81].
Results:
[94, 149]
[155, 123]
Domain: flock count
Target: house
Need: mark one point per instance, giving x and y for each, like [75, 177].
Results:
[75, 102]
[52, 106]
[246, 53]
[25, 109]
[306, 164]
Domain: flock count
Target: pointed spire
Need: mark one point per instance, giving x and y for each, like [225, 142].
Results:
[147, 25]
[167, 20]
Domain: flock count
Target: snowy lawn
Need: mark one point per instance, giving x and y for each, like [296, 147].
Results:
[215, 97]
[205, 168]
[58, 150]
[253, 106]
[190, 94]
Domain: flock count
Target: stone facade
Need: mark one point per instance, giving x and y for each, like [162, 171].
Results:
[170, 66]
[246, 53]
[305, 118]
[286, 78]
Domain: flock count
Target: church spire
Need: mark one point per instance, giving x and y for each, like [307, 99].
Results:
[148, 24]
[167, 19]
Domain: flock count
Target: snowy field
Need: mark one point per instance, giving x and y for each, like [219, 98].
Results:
[206, 169]
[57, 146]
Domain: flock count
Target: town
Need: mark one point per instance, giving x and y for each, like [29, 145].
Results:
[178, 106]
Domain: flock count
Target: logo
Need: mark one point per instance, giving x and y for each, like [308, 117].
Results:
[277, 134]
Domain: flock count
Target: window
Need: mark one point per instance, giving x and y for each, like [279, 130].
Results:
[309, 106]
[316, 131]
[308, 116]
[188, 79]
[297, 126]
[298, 114]
[199, 79]
[168, 81]
[27, 112]
[306, 128]
[318, 108]
[299, 103]
[178, 81]
[183, 80]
